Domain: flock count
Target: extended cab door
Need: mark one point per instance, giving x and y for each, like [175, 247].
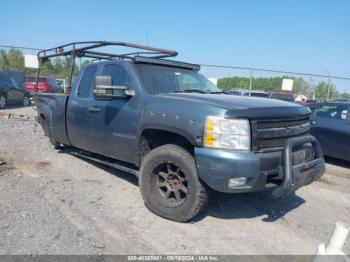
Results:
[113, 123]
[79, 102]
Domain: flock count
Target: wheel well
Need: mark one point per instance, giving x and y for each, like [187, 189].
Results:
[152, 138]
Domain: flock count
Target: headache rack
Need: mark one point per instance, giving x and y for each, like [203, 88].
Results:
[87, 49]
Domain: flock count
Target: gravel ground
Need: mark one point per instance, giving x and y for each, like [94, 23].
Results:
[55, 203]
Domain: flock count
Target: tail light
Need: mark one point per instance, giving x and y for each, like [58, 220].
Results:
[43, 87]
[29, 86]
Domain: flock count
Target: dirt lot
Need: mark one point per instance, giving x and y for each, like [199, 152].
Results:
[55, 203]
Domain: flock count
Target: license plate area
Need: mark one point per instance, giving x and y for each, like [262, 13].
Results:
[303, 154]
[300, 174]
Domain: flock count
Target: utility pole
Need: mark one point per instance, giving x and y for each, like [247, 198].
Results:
[312, 89]
[329, 85]
[251, 79]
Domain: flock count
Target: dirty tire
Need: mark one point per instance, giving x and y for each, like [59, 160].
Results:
[3, 101]
[178, 205]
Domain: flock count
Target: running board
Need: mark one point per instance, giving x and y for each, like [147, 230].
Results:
[107, 163]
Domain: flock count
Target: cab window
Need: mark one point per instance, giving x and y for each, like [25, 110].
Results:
[87, 82]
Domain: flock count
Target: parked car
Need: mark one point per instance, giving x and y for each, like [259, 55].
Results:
[282, 96]
[11, 92]
[330, 124]
[244, 92]
[311, 101]
[45, 85]
[162, 121]
[342, 100]
[17, 75]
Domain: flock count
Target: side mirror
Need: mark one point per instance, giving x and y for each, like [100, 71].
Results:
[104, 89]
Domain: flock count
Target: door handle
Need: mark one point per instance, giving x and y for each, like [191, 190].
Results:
[94, 109]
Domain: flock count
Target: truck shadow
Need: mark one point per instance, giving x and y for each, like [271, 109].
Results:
[118, 173]
[236, 206]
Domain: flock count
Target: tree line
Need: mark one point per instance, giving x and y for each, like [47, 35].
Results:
[274, 84]
[58, 67]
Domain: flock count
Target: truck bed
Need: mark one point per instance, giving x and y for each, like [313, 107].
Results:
[53, 107]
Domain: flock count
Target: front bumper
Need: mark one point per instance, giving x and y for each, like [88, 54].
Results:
[300, 163]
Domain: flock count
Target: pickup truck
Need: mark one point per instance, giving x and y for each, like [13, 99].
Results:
[162, 121]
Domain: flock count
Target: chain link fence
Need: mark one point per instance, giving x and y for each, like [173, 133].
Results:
[18, 83]
[268, 83]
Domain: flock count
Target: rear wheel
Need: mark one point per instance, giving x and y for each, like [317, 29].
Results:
[3, 101]
[170, 185]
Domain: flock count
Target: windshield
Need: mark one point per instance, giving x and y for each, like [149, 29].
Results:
[160, 79]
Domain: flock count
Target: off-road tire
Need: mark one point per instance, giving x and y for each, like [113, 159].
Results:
[197, 194]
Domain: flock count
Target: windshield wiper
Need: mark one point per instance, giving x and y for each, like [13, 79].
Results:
[190, 91]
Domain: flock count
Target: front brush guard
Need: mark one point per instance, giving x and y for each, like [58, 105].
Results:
[301, 174]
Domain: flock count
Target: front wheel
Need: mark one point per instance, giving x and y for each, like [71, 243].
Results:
[169, 184]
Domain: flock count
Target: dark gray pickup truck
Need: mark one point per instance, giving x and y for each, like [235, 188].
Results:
[182, 136]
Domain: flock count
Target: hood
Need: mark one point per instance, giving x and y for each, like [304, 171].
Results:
[246, 107]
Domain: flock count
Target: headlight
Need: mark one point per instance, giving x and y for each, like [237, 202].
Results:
[227, 133]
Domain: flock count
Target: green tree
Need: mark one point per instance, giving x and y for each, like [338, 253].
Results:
[47, 69]
[274, 84]
[345, 95]
[321, 91]
[57, 66]
[15, 60]
[263, 83]
[84, 63]
[4, 64]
